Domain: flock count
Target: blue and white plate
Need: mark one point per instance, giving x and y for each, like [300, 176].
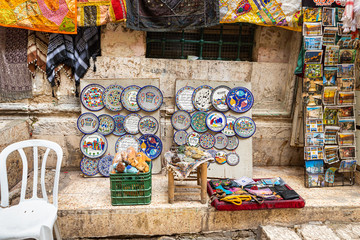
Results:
[126, 141]
[131, 123]
[240, 99]
[207, 140]
[112, 98]
[93, 145]
[229, 129]
[218, 98]
[88, 123]
[148, 125]
[106, 124]
[128, 98]
[151, 145]
[89, 166]
[119, 125]
[180, 137]
[104, 165]
[198, 122]
[149, 98]
[181, 120]
[221, 141]
[193, 139]
[201, 98]
[184, 99]
[216, 121]
[232, 159]
[233, 143]
[91, 97]
[245, 127]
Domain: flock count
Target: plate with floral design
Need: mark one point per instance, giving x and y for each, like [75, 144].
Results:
[198, 122]
[216, 121]
[89, 166]
[201, 98]
[218, 98]
[93, 145]
[126, 141]
[148, 125]
[91, 97]
[88, 123]
[106, 124]
[184, 99]
[180, 137]
[181, 120]
[112, 98]
[104, 165]
[128, 98]
[131, 123]
[151, 145]
[245, 127]
[207, 140]
[240, 99]
[119, 125]
[233, 143]
[149, 98]
[232, 159]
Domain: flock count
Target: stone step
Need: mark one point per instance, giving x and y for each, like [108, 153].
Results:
[277, 233]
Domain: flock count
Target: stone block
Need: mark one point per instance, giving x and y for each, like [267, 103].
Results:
[276, 233]
[317, 232]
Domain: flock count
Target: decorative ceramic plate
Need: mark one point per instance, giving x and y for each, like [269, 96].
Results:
[151, 145]
[216, 121]
[221, 141]
[149, 98]
[193, 139]
[233, 143]
[89, 166]
[93, 145]
[128, 98]
[180, 137]
[106, 124]
[218, 98]
[232, 159]
[181, 120]
[240, 99]
[220, 157]
[184, 99]
[212, 152]
[88, 123]
[131, 123]
[104, 165]
[229, 129]
[119, 125]
[112, 98]
[201, 98]
[126, 141]
[198, 122]
[148, 125]
[91, 97]
[207, 140]
[244, 127]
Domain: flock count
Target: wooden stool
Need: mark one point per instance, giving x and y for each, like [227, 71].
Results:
[201, 181]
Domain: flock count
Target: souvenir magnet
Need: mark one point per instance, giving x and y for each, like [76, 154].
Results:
[221, 141]
[184, 99]
[89, 166]
[216, 121]
[151, 145]
[149, 98]
[131, 123]
[201, 98]
[126, 141]
[181, 120]
[91, 97]
[207, 140]
[148, 125]
[218, 98]
[128, 98]
[88, 123]
[193, 139]
[180, 137]
[198, 122]
[232, 159]
[93, 145]
[229, 129]
[244, 127]
[220, 157]
[106, 124]
[233, 143]
[240, 99]
[104, 165]
[119, 125]
[112, 98]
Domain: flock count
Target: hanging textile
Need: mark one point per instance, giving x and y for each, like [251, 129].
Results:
[281, 13]
[15, 80]
[39, 15]
[172, 15]
[37, 51]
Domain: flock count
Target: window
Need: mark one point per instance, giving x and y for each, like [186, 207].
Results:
[229, 42]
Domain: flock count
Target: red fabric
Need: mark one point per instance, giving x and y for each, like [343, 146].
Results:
[270, 204]
[119, 9]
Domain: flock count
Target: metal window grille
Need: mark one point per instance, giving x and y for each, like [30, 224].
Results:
[228, 42]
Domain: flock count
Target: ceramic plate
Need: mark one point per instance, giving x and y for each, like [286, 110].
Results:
[240, 99]
[184, 99]
[216, 121]
[119, 125]
[221, 141]
[149, 98]
[198, 122]
[89, 166]
[131, 123]
[212, 152]
[112, 98]
[151, 145]
[232, 159]
[126, 141]
[193, 139]
[104, 165]
[106, 124]
[93, 145]
[128, 98]
[201, 98]
[218, 98]
[233, 143]
[91, 97]
[181, 120]
[207, 140]
[229, 129]
[88, 123]
[148, 125]
[220, 157]
[244, 127]
[180, 137]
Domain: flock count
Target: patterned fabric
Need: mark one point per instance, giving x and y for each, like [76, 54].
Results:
[15, 79]
[41, 15]
[171, 15]
[37, 51]
[96, 13]
[281, 13]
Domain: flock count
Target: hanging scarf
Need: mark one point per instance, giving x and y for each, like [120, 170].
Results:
[37, 51]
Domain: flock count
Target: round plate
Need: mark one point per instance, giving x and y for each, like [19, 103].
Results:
[207, 140]
[181, 120]
[148, 125]
[240, 99]
[88, 123]
[93, 145]
[106, 124]
[112, 98]
[119, 125]
[221, 141]
[198, 122]
[193, 139]
[220, 157]
[218, 98]
[151, 145]
[244, 127]
[180, 137]
[91, 97]
[212, 152]
[229, 129]
[128, 98]
[89, 166]
[216, 121]
[233, 143]
[184, 99]
[126, 141]
[149, 98]
[104, 165]
[131, 123]
[232, 159]
[201, 98]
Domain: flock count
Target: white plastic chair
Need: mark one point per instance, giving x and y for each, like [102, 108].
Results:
[34, 217]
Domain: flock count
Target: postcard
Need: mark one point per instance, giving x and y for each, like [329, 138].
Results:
[345, 112]
[314, 139]
[340, 13]
[330, 175]
[346, 70]
[313, 85]
[313, 43]
[346, 84]
[347, 166]
[315, 180]
[346, 98]
[331, 154]
[314, 166]
[313, 153]
[346, 138]
[314, 112]
[330, 115]
[330, 31]
[329, 41]
[313, 70]
[347, 152]
[329, 76]
[347, 124]
[329, 95]
[312, 14]
[331, 57]
[328, 16]
[312, 28]
[313, 56]
[330, 137]
[312, 99]
[347, 56]
[314, 125]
